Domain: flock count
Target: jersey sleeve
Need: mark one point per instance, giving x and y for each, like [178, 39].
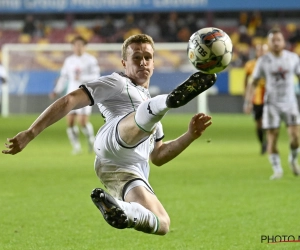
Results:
[159, 134]
[103, 88]
[258, 70]
[297, 68]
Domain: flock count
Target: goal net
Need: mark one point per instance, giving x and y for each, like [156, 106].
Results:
[33, 69]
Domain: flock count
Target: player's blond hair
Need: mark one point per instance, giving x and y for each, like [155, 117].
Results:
[140, 38]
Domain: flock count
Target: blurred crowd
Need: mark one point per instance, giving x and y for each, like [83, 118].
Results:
[246, 29]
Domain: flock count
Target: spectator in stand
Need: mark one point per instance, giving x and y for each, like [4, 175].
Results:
[170, 28]
[39, 29]
[183, 34]
[29, 26]
[192, 23]
[152, 27]
[295, 37]
[244, 37]
[243, 19]
[108, 30]
[130, 27]
[97, 26]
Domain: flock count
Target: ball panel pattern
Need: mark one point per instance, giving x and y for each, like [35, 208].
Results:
[210, 50]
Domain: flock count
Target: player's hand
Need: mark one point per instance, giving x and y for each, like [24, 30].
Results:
[198, 124]
[52, 95]
[18, 143]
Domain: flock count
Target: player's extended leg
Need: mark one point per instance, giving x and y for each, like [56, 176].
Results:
[140, 124]
[73, 133]
[110, 209]
[190, 88]
[260, 132]
[141, 210]
[293, 132]
[140, 195]
[261, 136]
[87, 129]
[274, 158]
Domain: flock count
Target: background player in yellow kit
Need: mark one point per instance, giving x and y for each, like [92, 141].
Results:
[258, 99]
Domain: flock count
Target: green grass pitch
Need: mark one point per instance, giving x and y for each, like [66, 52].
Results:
[217, 193]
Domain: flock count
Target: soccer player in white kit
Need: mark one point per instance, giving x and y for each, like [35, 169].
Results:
[131, 135]
[78, 68]
[3, 81]
[278, 67]
[3, 76]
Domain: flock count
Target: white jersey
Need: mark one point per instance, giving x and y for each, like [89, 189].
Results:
[77, 70]
[116, 96]
[279, 73]
[2, 73]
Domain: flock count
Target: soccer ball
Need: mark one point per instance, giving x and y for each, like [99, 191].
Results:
[210, 50]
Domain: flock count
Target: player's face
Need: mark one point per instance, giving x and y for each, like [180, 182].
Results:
[139, 64]
[261, 49]
[78, 47]
[276, 42]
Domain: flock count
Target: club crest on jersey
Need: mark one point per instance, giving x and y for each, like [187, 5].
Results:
[280, 74]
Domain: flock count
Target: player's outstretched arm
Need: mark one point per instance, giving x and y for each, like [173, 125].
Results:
[249, 96]
[56, 111]
[164, 152]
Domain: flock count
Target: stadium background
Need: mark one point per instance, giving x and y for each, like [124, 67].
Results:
[217, 193]
[167, 21]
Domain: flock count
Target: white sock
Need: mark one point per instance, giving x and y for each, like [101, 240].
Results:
[140, 217]
[276, 163]
[293, 155]
[88, 131]
[150, 112]
[73, 135]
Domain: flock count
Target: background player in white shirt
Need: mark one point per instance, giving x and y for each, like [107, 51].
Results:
[3, 76]
[278, 67]
[258, 97]
[3, 81]
[77, 69]
[131, 136]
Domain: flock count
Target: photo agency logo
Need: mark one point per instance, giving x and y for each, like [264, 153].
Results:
[273, 239]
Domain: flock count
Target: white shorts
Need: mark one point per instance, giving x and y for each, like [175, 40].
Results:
[118, 181]
[120, 168]
[272, 116]
[83, 111]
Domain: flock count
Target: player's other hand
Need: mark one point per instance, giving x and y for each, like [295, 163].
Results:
[18, 143]
[198, 124]
[52, 95]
